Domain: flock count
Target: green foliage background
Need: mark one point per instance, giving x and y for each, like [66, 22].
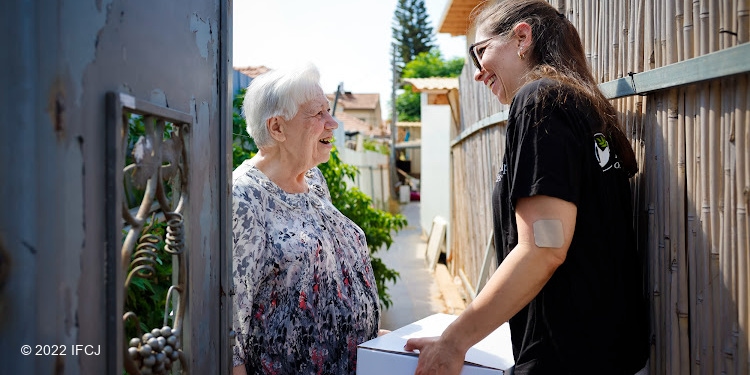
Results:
[243, 146]
[425, 65]
[411, 31]
[378, 225]
[375, 146]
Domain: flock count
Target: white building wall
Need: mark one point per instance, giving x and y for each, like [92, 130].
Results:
[339, 136]
[435, 165]
[374, 175]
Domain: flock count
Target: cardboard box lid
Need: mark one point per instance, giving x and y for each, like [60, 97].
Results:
[494, 351]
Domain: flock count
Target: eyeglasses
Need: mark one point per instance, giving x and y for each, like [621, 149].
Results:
[473, 53]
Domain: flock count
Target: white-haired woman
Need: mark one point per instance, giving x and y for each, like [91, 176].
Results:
[304, 290]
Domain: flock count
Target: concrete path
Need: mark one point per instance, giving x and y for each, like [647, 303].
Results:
[418, 293]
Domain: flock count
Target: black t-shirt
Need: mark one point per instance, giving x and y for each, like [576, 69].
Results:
[592, 315]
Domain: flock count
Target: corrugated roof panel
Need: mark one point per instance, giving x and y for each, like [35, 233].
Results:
[434, 83]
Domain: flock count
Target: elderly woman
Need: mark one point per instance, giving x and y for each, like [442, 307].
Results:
[304, 290]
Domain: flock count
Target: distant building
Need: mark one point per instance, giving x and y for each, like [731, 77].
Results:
[359, 119]
[365, 107]
[440, 115]
[253, 71]
[242, 77]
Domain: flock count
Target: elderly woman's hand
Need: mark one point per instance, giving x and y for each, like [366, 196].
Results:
[436, 356]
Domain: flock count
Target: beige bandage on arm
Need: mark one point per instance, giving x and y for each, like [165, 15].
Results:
[548, 233]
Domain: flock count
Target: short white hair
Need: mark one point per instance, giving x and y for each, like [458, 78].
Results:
[278, 92]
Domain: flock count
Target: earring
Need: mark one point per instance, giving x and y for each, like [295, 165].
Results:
[520, 55]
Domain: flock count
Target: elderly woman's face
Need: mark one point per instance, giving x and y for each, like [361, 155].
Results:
[310, 132]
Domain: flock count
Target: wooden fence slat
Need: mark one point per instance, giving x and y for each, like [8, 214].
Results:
[742, 119]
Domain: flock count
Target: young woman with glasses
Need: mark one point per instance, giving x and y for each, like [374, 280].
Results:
[570, 281]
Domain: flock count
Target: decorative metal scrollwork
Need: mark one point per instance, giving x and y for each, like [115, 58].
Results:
[145, 257]
[175, 239]
[154, 186]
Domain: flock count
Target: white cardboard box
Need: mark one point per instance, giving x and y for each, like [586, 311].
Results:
[386, 354]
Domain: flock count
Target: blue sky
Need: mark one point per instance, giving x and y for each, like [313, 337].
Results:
[348, 40]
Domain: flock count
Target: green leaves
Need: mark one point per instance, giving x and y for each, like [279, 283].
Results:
[373, 145]
[411, 30]
[243, 146]
[425, 65]
[432, 64]
[408, 105]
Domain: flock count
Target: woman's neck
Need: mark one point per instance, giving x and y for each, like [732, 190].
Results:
[284, 175]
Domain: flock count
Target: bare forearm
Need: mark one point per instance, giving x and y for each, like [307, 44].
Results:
[513, 285]
[520, 277]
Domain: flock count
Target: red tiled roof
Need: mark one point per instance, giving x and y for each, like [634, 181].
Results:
[352, 124]
[349, 100]
[253, 71]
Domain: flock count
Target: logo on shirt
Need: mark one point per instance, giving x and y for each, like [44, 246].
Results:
[604, 155]
[503, 170]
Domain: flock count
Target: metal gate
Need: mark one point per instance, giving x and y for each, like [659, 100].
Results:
[114, 176]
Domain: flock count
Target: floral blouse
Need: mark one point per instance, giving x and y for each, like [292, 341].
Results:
[304, 290]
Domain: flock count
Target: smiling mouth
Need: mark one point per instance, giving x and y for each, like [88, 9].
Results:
[326, 141]
[491, 81]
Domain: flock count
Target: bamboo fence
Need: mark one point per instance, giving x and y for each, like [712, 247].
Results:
[691, 194]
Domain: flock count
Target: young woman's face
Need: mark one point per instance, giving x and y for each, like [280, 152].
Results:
[503, 71]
